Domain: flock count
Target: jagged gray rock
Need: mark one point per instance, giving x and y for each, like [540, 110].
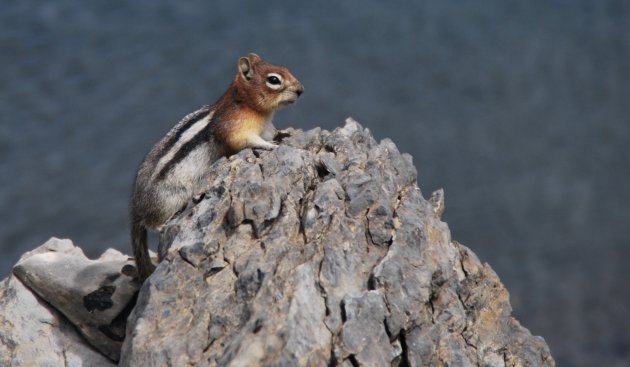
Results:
[322, 252]
[32, 333]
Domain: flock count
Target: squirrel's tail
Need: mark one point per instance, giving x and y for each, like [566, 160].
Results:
[141, 251]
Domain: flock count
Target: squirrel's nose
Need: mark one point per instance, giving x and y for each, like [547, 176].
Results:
[299, 90]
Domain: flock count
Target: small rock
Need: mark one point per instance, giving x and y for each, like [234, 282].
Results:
[437, 201]
[33, 333]
[363, 334]
[95, 295]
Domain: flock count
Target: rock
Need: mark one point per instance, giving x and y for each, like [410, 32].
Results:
[322, 252]
[363, 337]
[32, 333]
[94, 295]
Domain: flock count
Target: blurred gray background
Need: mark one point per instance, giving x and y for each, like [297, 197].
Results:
[519, 110]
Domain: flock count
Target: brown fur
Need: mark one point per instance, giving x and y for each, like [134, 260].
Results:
[248, 104]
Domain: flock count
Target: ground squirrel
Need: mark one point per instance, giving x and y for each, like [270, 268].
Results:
[173, 168]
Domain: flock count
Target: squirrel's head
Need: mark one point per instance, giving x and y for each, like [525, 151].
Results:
[266, 86]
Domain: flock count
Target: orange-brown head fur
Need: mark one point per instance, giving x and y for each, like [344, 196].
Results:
[263, 86]
[259, 88]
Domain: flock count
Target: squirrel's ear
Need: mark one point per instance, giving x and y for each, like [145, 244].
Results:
[253, 58]
[245, 68]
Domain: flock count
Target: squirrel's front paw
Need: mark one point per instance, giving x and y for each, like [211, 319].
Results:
[266, 146]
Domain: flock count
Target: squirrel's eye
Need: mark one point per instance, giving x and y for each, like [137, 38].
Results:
[273, 80]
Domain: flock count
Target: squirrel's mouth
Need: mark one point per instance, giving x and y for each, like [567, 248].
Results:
[289, 100]
[285, 103]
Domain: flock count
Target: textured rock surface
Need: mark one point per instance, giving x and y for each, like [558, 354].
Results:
[322, 252]
[32, 333]
[95, 295]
